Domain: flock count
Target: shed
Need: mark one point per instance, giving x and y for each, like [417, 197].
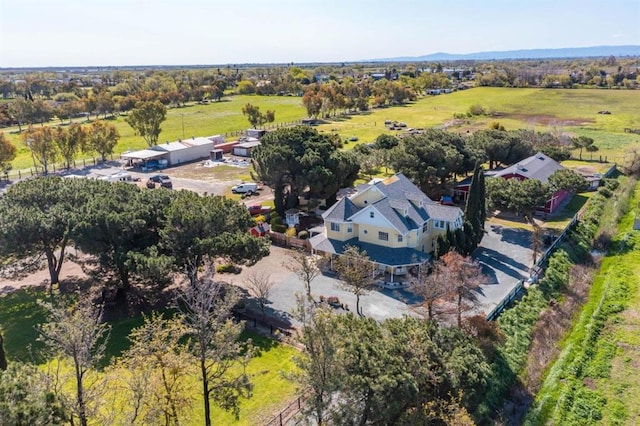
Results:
[244, 149]
[177, 152]
[199, 147]
[216, 155]
[256, 133]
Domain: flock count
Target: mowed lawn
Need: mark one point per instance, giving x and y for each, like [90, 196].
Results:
[570, 111]
[20, 313]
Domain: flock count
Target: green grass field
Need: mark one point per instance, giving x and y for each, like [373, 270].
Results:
[199, 120]
[596, 378]
[20, 313]
[572, 111]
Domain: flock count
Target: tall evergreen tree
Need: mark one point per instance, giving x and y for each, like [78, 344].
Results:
[475, 211]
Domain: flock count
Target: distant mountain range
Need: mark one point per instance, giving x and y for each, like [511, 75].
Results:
[569, 52]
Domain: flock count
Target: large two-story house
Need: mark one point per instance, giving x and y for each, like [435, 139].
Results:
[392, 220]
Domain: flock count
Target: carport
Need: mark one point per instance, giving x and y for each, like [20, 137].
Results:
[142, 156]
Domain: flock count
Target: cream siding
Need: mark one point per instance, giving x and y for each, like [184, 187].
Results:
[367, 197]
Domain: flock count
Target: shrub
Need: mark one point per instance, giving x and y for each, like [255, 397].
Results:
[476, 109]
[228, 268]
[605, 192]
[259, 219]
[278, 228]
[290, 232]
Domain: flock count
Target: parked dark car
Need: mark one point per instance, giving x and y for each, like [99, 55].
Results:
[163, 180]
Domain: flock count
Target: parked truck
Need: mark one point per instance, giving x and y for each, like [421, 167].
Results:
[245, 188]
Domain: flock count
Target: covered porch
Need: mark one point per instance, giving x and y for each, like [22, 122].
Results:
[392, 264]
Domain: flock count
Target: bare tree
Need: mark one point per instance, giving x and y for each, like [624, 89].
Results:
[259, 285]
[463, 276]
[431, 285]
[160, 360]
[207, 312]
[77, 332]
[355, 270]
[317, 365]
[537, 242]
[305, 267]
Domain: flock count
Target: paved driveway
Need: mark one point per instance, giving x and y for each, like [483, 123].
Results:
[506, 256]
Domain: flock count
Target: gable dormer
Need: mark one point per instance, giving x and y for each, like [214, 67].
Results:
[367, 196]
[400, 206]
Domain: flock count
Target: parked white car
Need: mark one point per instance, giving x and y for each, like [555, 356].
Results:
[245, 188]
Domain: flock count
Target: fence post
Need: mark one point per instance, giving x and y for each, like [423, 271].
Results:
[281, 418]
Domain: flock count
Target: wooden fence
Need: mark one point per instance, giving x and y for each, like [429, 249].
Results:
[287, 413]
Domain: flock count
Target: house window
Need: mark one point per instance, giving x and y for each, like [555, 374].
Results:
[439, 224]
[349, 228]
[371, 214]
[335, 227]
[399, 238]
[383, 236]
[425, 227]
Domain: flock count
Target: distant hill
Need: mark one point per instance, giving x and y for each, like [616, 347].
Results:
[569, 52]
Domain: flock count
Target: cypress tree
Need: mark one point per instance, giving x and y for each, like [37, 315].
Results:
[475, 211]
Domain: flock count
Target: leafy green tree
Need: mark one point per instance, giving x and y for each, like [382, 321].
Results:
[255, 117]
[501, 147]
[385, 141]
[41, 143]
[520, 197]
[583, 142]
[26, 397]
[22, 111]
[197, 229]
[206, 308]
[102, 138]
[432, 159]
[70, 141]
[8, 152]
[77, 333]
[299, 159]
[36, 218]
[355, 271]
[145, 119]
[567, 180]
[118, 222]
[475, 210]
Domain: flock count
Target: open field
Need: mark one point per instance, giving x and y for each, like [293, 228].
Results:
[596, 378]
[199, 120]
[20, 313]
[572, 111]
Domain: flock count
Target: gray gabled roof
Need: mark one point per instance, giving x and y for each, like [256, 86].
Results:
[341, 211]
[403, 256]
[438, 211]
[538, 167]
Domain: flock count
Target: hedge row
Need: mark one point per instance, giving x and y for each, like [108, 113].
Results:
[518, 322]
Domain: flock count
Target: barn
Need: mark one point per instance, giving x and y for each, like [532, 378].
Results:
[244, 149]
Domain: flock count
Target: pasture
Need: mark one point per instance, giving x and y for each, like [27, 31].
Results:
[567, 111]
[571, 111]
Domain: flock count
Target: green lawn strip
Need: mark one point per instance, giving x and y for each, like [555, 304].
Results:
[20, 313]
[578, 388]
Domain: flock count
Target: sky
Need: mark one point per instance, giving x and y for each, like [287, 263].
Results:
[40, 33]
